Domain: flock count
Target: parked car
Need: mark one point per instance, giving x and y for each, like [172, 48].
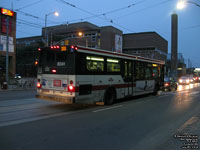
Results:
[17, 76]
[185, 80]
[170, 84]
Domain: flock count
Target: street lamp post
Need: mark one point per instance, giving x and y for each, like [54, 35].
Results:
[45, 34]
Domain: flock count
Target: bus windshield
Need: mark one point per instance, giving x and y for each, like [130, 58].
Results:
[61, 61]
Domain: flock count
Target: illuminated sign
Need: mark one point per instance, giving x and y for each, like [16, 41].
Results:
[63, 48]
[7, 12]
[197, 69]
[154, 65]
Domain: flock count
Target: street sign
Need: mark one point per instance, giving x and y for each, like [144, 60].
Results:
[66, 42]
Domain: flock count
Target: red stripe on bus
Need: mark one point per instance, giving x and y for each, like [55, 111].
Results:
[103, 87]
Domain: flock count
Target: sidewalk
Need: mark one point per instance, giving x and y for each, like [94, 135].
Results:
[22, 84]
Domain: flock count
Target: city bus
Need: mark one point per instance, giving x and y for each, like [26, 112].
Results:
[76, 74]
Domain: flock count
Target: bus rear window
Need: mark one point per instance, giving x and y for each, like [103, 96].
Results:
[50, 58]
[61, 61]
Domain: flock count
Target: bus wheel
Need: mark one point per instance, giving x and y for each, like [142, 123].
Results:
[155, 91]
[110, 97]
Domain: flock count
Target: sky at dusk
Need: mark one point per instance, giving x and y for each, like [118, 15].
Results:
[130, 16]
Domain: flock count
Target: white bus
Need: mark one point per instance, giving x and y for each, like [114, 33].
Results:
[75, 74]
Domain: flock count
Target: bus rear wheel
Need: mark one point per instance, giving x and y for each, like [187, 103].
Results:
[155, 92]
[110, 97]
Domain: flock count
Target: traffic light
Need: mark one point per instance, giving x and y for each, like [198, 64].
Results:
[36, 62]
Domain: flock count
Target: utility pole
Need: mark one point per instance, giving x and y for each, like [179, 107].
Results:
[7, 49]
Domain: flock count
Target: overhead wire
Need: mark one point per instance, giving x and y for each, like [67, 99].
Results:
[33, 16]
[29, 5]
[35, 24]
[103, 14]
[86, 11]
[26, 33]
[93, 15]
[149, 7]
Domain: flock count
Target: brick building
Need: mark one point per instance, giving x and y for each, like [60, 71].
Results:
[92, 36]
[146, 44]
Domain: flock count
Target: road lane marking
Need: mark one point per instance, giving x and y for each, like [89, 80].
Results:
[162, 96]
[36, 118]
[194, 93]
[14, 122]
[107, 108]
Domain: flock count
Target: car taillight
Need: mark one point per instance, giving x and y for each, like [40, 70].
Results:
[167, 84]
[39, 85]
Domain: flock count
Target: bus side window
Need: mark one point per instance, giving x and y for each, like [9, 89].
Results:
[155, 72]
[128, 71]
[95, 63]
[113, 65]
[139, 70]
[148, 71]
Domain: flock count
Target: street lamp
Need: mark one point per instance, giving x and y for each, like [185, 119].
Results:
[46, 36]
[182, 4]
[80, 34]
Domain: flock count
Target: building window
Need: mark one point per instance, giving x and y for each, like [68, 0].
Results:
[93, 39]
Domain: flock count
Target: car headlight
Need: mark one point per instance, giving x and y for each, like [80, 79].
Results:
[180, 80]
[187, 80]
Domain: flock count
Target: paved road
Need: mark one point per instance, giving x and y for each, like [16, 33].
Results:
[144, 123]
[16, 94]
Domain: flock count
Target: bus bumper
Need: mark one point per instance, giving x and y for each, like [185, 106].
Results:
[68, 99]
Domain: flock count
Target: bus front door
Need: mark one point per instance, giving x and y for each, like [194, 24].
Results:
[128, 78]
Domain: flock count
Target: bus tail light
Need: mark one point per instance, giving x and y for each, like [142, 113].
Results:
[39, 85]
[71, 88]
[73, 48]
[53, 71]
